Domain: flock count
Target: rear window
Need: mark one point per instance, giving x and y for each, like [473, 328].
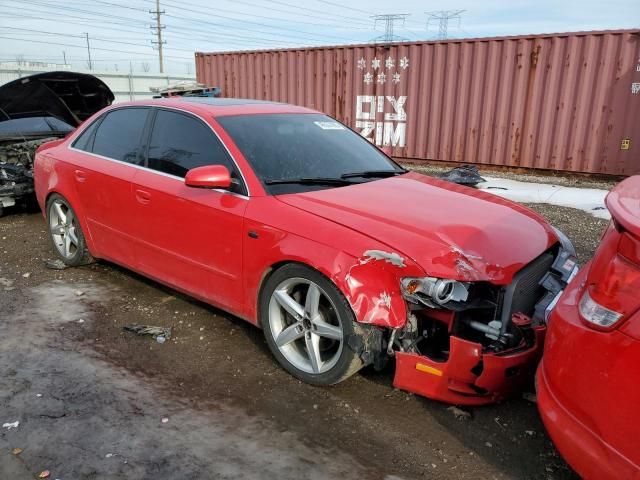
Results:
[85, 140]
[119, 135]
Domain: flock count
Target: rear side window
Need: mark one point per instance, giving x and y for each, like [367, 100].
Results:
[180, 142]
[119, 135]
[85, 140]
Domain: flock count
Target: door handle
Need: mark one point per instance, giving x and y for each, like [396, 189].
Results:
[80, 176]
[143, 197]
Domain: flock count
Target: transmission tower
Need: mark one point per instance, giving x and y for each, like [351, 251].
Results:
[443, 17]
[389, 25]
[158, 32]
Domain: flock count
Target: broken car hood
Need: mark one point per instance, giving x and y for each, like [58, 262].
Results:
[450, 231]
[68, 96]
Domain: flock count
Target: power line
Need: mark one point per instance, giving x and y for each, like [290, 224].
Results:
[297, 9]
[278, 27]
[389, 24]
[443, 17]
[81, 46]
[136, 23]
[187, 35]
[94, 39]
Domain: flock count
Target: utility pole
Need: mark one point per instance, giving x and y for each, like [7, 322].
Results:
[389, 25]
[158, 31]
[89, 52]
[443, 17]
[64, 56]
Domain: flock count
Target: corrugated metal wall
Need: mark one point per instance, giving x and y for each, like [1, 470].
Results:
[559, 102]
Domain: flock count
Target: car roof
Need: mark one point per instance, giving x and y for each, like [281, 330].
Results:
[219, 107]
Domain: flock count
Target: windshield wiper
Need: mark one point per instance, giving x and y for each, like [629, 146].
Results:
[309, 181]
[373, 173]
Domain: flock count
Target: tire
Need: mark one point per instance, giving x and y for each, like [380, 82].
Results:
[66, 233]
[295, 323]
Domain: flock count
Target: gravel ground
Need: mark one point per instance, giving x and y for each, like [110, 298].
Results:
[558, 178]
[231, 411]
[582, 228]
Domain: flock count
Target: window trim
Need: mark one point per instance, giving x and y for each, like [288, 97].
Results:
[147, 135]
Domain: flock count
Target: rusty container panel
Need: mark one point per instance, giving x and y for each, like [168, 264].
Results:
[565, 102]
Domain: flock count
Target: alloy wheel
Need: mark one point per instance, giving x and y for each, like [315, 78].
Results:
[62, 225]
[305, 325]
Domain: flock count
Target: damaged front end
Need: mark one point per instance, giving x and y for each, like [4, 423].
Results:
[16, 170]
[475, 343]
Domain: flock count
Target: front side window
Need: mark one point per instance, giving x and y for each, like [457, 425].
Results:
[180, 142]
[298, 152]
[119, 135]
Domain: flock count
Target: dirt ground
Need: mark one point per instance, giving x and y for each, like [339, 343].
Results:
[96, 402]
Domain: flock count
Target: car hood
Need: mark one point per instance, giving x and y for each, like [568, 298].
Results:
[449, 230]
[68, 96]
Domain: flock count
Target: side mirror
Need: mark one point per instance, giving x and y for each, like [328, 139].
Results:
[209, 176]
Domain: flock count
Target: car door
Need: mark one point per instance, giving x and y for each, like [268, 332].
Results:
[106, 155]
[189, 238]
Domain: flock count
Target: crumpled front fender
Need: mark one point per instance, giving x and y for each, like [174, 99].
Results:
[372, 287]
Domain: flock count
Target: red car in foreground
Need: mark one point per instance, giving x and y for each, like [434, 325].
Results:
[588, 382]
[290, 220]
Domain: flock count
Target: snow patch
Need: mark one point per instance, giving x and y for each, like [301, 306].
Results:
[590, 200]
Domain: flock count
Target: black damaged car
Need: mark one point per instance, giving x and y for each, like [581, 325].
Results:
[35, 110]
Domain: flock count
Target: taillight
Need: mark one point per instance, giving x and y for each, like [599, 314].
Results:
[595, 313]
[613, 282]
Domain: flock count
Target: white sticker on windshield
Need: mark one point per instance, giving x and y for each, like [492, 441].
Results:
[329, 125]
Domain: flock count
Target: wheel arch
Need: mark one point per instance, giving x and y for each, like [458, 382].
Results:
[79, 215]
[371, 288]
[268, 272]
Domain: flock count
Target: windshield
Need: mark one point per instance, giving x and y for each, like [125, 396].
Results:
[289, 151]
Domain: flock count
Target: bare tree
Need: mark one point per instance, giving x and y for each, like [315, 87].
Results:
[20, 60]
[145, 66]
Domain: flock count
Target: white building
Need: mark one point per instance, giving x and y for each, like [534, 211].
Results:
[125, 86]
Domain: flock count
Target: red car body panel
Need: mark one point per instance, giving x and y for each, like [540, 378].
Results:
[450, 231]
[588, 393]
[219, 247]
[454, 381]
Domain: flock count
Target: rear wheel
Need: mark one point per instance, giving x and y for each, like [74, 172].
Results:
[65, 232]
[307, 323]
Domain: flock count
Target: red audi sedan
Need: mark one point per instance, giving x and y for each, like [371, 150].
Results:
[588, 388]
[290, 220]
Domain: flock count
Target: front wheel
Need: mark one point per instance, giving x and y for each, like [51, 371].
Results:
[65, 232]
[307, 323]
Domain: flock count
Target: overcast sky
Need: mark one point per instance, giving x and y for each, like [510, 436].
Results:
[120, 34]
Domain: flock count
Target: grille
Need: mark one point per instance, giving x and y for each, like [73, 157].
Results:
[524, 292]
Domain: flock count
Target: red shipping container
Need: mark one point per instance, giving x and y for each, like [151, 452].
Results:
[565, 102]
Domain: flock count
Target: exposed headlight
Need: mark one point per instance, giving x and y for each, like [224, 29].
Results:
[434, 292]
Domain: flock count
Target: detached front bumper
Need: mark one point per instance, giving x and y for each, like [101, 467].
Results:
[469, 376]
